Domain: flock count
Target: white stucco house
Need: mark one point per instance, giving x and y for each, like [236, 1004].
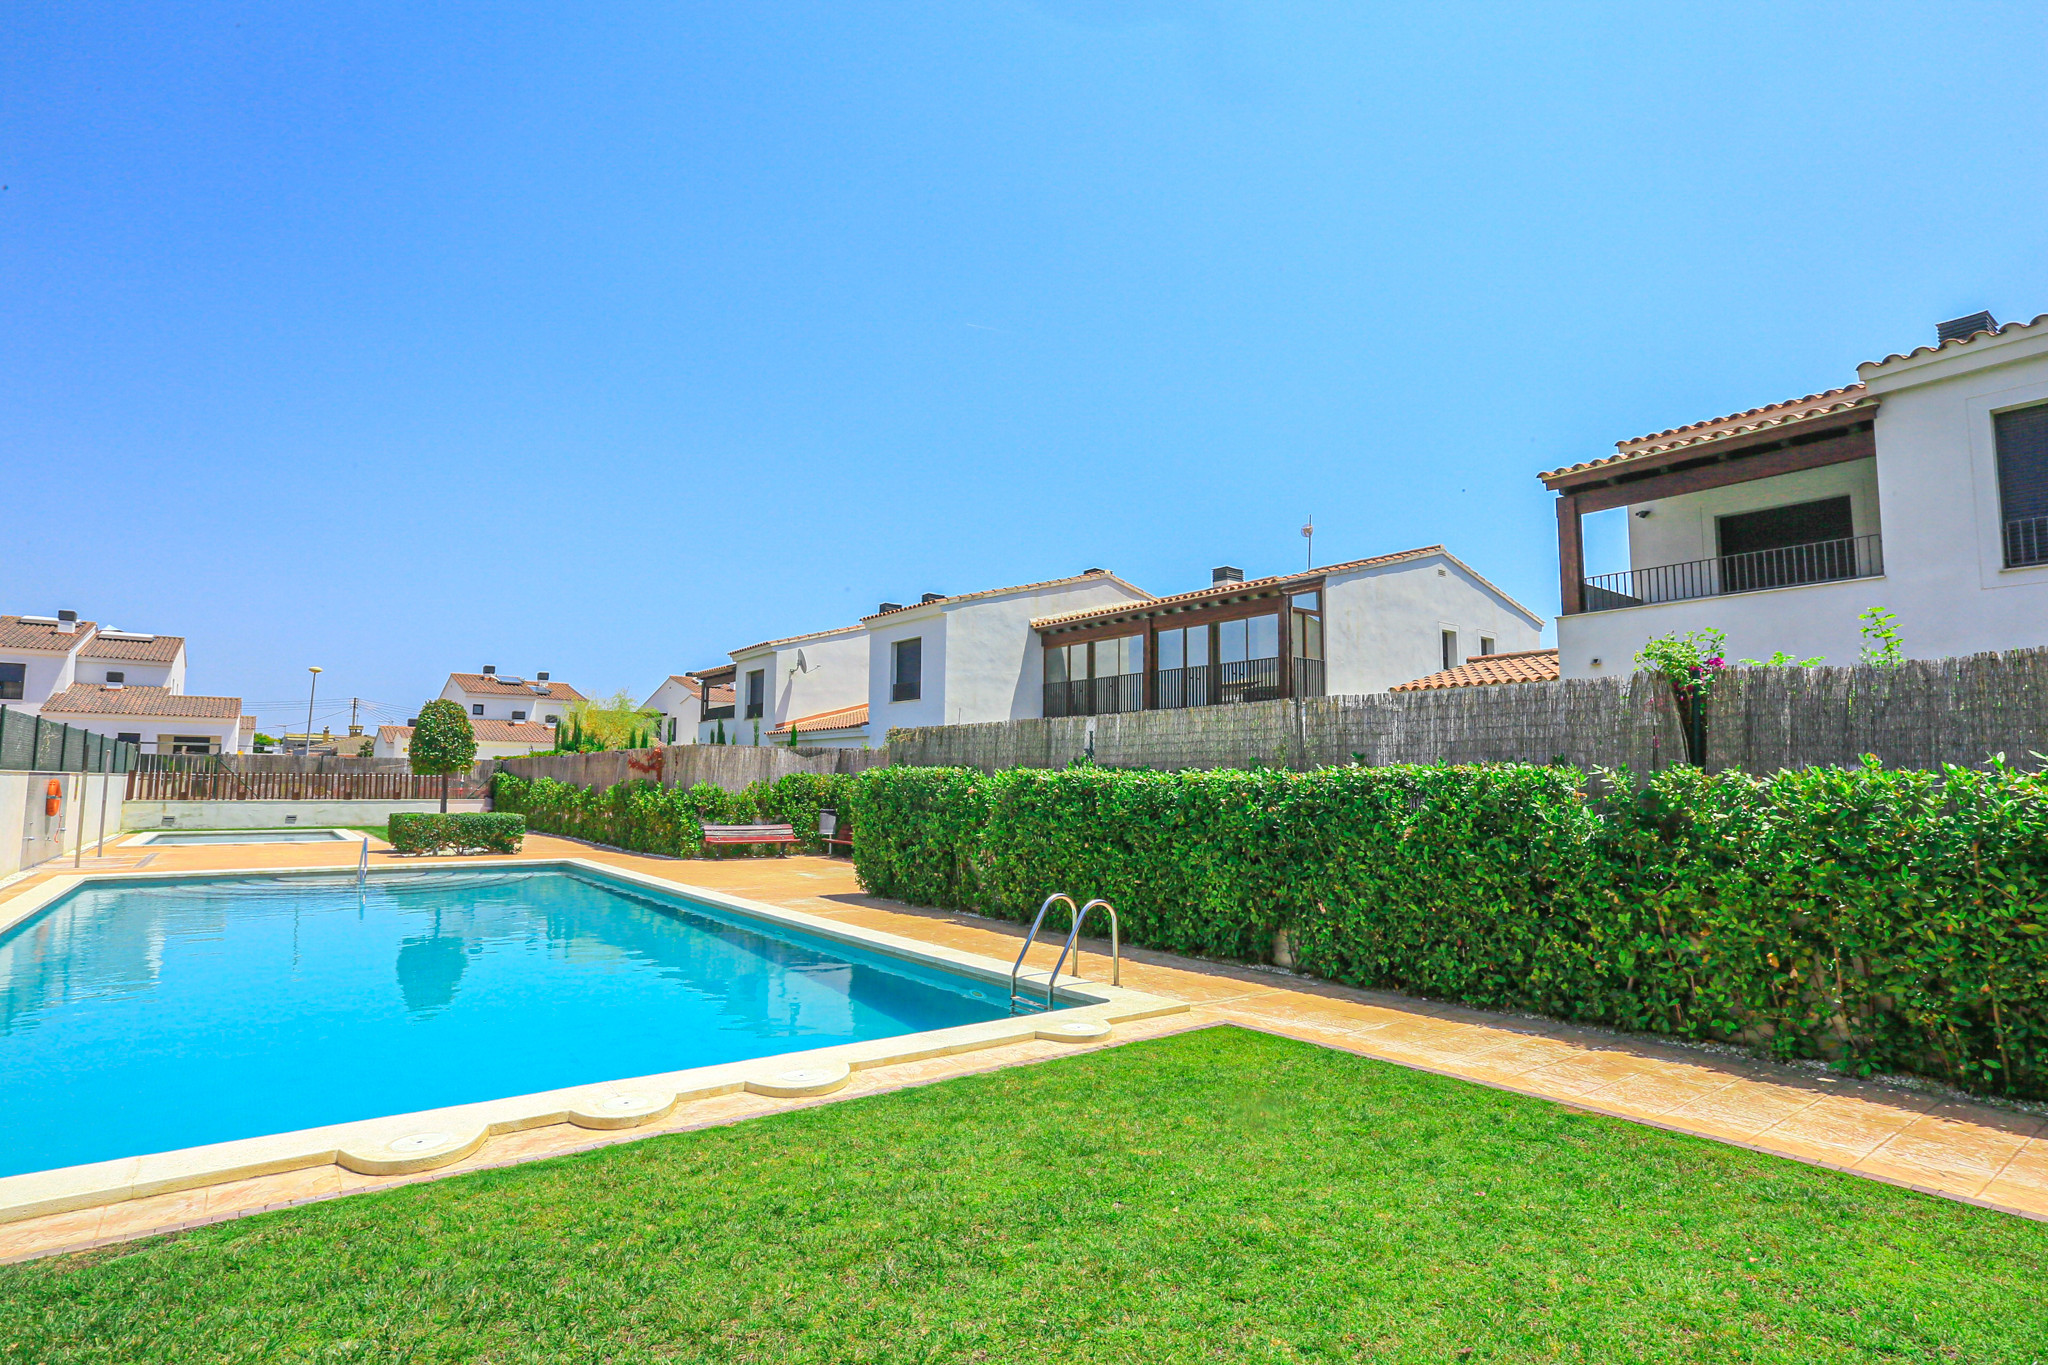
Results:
[1344, 629]
[126, 684]
[494, 738]
[959, 660]
[678, 707]
[491, 695]
[808, 683]
[1921, 489]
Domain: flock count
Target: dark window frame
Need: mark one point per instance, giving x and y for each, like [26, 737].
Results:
[906, 684]
[476, 708]
[757, 693]
[2019, 439]
[11, 688]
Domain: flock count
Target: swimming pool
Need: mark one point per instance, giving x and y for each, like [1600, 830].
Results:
[143, 1016]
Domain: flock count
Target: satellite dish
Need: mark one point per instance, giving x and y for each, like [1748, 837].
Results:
[801, 666]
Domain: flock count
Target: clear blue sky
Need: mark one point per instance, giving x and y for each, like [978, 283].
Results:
[603, 340]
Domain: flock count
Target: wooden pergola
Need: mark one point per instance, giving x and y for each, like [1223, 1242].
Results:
[1717, 462]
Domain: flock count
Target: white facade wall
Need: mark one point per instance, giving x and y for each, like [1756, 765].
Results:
[803, 677]
[226, 731]
[1932, 492]
[982, 660]
[1384, 625]
[45, 674]
[166, 675]
[137, 815]
[29, 835]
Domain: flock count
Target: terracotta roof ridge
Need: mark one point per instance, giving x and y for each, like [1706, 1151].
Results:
[2000, 330]
[1778, 415]
[793, 639]
[1104, 576]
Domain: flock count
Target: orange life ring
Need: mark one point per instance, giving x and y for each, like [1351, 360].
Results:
[53, 796]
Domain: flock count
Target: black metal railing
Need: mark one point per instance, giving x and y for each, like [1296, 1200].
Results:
[1248, 680]
[1823, 561]
[717, 712]
[1308, 677]
[2026, 542]
[1176, 688]
[1096, 696]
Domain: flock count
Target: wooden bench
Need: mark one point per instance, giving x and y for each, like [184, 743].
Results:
[749, 834]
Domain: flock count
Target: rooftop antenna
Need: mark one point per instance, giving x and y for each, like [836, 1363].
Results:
[1308, 533]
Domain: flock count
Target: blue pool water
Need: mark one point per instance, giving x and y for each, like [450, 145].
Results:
[157, 1015]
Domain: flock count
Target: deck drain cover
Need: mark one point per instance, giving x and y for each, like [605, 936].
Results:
[810, 1075]
[422, 1142]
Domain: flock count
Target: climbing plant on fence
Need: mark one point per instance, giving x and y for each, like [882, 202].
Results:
[1886, 919]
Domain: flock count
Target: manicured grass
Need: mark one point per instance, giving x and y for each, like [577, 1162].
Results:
[1220, 1195]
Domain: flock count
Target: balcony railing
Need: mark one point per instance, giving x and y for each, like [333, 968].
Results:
[1308, 677]
[1823, 561]
[1096, 696]
[2026, 542]
[1248, 680]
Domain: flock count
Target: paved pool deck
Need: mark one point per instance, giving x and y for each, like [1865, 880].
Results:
[1974, 1153]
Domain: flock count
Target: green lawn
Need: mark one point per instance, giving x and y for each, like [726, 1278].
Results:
[1216, 1196]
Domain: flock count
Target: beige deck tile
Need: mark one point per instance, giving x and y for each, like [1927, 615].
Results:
[1742, 1110]
[1656, 1093]
[1842, 1129]
[2023, 1183]
[140, 1217]
[286, 1187]
[51, 1232]
[1951, 1148]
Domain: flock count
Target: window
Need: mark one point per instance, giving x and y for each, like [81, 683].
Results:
[129, 737]
[1307, 625]
[12, 677]
[1451, 659]
[116, 677]
[187, 744]
[1486, 644]
[906, 670]
[757, 693]
[2023, 484]
[476, 708]
[671, 729]
[1807, 542]
[554, 720]
[519, 715]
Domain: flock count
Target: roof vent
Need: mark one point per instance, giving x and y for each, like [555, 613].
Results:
[412, 720]
[1224, 573]
[1957, 329]
[540, 677]
[931, 597]
[67, 623]
[889, 606]
[1086, 572]
[489, 669]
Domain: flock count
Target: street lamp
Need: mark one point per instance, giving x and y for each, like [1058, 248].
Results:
[313, 688]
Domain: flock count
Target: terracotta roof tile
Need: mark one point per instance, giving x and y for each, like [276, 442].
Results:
[499, 685]
[1491, 670]
[486, 731]
[1950, 344]
[157, 649]
[845, 718]
[16, 633]
[1104, 575]
[1847, 397]
[95, 699]
[1220, 591]
[797, 639]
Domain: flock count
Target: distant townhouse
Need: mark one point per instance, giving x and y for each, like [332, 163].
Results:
[676, 706]
[972, 657]
[491, 695]
[126, 684]
[1921, 489]
[1357, 627]
[717, 712]
[494, 738]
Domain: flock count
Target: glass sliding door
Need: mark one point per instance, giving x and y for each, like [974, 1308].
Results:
[1183, 676]
[1248, 659]
[1308, 644]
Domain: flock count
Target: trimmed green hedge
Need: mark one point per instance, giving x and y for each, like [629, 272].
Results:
[466, 832]
[647, 817]
[1888, 920]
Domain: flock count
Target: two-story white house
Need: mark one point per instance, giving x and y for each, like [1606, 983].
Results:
[1922, 490]
[1344, 629]
[677, 705]
[126, 684]
[959, 660]
[491, 695]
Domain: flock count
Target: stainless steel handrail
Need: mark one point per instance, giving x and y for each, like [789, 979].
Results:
[1031, 937]
[363, 865]
[1116, 957]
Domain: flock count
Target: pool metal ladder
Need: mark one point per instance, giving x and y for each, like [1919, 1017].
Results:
[363, 865]
[1116, 962]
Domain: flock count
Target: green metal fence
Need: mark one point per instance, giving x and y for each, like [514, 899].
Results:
[31, 744]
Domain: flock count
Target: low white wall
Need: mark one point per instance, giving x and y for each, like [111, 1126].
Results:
[29, 836]
[271, 814]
